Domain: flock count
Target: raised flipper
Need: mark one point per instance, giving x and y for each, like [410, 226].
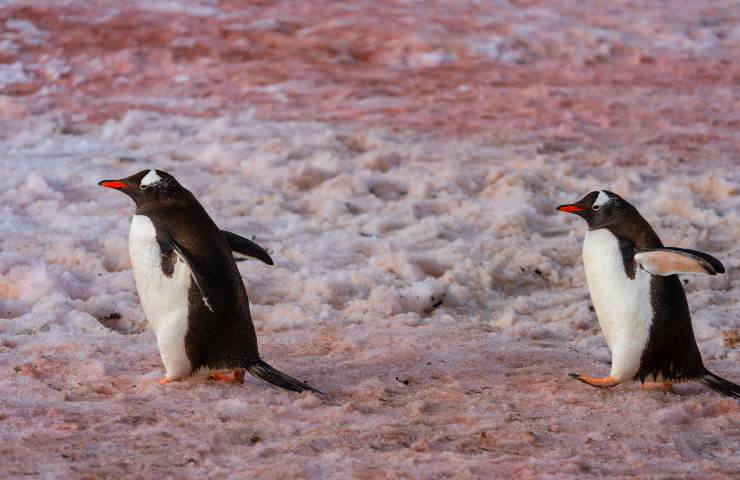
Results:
[672, 260]
[246, 247]
[198, 282]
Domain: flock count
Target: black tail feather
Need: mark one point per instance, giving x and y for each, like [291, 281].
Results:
[719, 384]
[274, 376]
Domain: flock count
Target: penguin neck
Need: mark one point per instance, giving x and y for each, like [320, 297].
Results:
[159, 204]
[636, 230]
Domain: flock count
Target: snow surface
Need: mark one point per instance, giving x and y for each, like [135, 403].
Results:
[401, 161]
[429, 288]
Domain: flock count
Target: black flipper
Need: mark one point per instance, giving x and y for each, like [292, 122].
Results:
[719, 384]
[262, 370]
[671, 261]
[246, 247]
[181, 253]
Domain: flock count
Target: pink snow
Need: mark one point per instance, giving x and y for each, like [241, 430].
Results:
[401, 161]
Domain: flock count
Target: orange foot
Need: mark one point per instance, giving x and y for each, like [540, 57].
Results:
[237, 377]
[164, 381]
[604, 382]
[661, 387]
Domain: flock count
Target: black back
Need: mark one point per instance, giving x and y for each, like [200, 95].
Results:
[671, 350]
[218, 339]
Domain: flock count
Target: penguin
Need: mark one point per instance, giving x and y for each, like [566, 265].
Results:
[190, 288]
[639, 299]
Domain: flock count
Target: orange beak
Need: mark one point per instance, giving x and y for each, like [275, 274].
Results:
[570, 208]
[112, 184]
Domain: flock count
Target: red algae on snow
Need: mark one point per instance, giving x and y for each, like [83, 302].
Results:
[401, 161]
[606, 72]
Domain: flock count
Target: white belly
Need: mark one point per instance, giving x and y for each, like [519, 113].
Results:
[622, 304]
[164, 299]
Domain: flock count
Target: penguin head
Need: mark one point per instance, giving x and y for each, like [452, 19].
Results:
[600, 209]
[146, 186]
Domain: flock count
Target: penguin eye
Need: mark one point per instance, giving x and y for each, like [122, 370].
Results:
[596, 207]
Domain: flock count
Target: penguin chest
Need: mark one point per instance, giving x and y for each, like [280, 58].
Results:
[622, 304]
[163, 282]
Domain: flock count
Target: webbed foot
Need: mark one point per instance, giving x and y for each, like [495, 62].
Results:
[236, 377]
[599, 382]
[661, 387]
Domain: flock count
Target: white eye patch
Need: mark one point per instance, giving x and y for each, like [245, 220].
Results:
[601, 199]
[150, 178]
